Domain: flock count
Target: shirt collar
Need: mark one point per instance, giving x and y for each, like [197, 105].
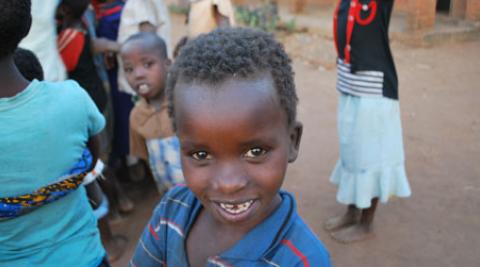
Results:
[265, 236]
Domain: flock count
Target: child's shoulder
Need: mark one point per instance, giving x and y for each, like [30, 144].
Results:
[59, 88]
[306, 243]
[179, 191]
[298, 244]
[68, 88]
[177, 202]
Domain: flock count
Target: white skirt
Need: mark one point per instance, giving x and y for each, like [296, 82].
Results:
[372, 161]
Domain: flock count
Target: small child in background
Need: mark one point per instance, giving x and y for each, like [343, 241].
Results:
[109, 13]
[143, 16]
[28, 64]
[152, 137]
[233, 102]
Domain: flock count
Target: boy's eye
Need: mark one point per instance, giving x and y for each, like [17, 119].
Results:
[127, 69]
[255, 152]
[201, 155]
[148, 64]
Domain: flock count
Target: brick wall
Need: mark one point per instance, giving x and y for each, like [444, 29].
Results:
[401, 5]
[473, 10]
[458, 8]
[421, 14]
[298, 6]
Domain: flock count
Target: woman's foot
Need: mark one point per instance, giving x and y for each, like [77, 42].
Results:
[350, 218]
[353, 233]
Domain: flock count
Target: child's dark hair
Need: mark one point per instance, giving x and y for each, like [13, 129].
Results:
[28, 65]
[15, 22]
[235, 52]
[179, 46]
[76, 8]
[152, 39]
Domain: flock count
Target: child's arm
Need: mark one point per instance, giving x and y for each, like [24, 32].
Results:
[138, 144]
[93, 145]
[94, 191]
[102, 45]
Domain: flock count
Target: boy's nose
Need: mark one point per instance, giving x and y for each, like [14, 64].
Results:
[139, 73]
[230, 178]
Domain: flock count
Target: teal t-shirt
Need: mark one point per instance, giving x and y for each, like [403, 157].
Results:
[43, 132]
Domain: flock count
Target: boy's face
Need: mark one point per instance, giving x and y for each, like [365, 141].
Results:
[236, 145]
[145, 69]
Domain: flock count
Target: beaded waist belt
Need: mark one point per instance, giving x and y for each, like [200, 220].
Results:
[12, 207]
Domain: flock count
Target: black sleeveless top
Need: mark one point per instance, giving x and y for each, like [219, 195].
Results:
[370, 48]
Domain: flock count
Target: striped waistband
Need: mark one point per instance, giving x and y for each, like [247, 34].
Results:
[360, 83]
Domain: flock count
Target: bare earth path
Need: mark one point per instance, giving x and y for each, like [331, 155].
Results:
[440, 103]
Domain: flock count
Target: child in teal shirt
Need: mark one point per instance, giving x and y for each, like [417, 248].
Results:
[45, 128]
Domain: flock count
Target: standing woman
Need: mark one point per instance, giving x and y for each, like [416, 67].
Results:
[372, 163]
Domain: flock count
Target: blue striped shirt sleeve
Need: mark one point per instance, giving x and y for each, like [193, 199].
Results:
[149, 251]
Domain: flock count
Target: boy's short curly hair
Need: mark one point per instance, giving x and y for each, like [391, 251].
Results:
[15, 22]
[235, 52]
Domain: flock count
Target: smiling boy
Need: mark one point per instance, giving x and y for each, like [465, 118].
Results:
[233, 104]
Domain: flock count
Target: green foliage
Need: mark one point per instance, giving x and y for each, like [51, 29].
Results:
[178, 9]
[290, 26]
[264, 17]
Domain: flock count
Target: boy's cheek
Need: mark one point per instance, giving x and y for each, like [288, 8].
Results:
[195, 177]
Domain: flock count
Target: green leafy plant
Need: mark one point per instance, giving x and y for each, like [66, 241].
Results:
[264, 17]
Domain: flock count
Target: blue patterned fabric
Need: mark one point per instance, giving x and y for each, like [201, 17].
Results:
[164, 160]
[282, 239]
[14, 206]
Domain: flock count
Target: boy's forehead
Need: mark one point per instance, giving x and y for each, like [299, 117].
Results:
[140, 46]
[242, 96]
[236, 89]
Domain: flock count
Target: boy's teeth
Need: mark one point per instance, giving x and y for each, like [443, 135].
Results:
[143, 89]
[236, 208]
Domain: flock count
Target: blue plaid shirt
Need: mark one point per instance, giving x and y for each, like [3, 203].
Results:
[283, 239]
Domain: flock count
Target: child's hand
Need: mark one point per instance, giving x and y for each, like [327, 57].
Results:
[110, 60]
[101, 45]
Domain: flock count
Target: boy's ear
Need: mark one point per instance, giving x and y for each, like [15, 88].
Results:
[296, 131]
[168, 62]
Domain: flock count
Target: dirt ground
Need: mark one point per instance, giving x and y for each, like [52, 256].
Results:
[440, 104]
